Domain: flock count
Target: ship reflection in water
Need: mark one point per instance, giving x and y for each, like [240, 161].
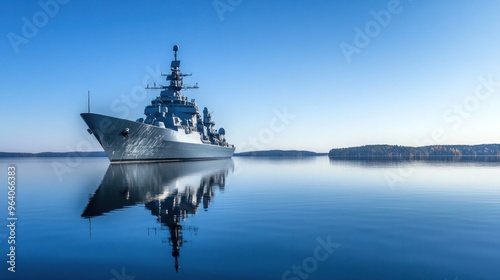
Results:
[170, 190]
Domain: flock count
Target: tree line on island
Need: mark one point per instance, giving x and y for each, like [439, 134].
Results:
[392, 152]
[279, 153]
[408, 153]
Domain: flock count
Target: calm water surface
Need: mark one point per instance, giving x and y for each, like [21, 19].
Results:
[254, 219]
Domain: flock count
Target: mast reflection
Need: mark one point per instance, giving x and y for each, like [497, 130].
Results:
[170, 191]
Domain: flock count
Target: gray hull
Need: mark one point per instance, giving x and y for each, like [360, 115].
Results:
[146, 142]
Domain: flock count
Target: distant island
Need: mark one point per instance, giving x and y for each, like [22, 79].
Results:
[53, 154]
[271, 153]
[279, 153]
[368, 152]
[410, 153]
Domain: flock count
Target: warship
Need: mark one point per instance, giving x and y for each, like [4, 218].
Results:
[173, 128]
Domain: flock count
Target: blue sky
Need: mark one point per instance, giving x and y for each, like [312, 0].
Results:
[420, 72]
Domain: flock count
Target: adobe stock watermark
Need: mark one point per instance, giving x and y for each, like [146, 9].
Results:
[373, 28]
[121, 276]
[72, 161]
[399, 176]
[126, 102]
[12, 216]
[277, 124]
[309, 265]
[223, 6]
[31, 26]
[453, 119]
[121, 106]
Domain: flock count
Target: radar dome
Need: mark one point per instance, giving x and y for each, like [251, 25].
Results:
[176, 48]
[222, 131]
